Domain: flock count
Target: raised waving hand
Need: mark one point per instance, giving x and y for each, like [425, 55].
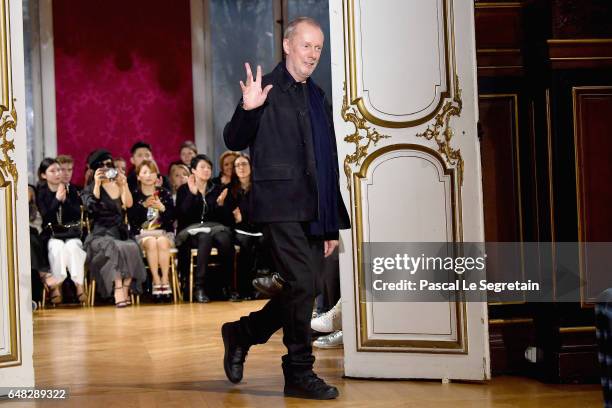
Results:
[252, 94]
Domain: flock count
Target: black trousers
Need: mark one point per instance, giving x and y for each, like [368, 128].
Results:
[296, 258]
[247, 262]
[204, 242]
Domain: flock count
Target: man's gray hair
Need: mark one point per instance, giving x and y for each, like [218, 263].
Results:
[297, 21]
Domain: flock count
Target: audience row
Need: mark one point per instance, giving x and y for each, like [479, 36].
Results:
[117, 219]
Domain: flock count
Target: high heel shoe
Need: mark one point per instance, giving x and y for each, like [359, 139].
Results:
[82, 298]
[54, 289]
[128, 297]
[121, 303]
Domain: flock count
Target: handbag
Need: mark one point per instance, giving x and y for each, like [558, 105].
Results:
[65, 231]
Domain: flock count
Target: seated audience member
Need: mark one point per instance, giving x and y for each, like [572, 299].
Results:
[246, 233]
[120, 164]
[178, 175]
[226, 166]
[151, 219]
[197, 212]
[187, 152]
[60, 208]
[66, 168]
[39, 263]
[112, 257]
[141, 151]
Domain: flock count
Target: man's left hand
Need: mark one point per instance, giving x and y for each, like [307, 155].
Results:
[329, 246]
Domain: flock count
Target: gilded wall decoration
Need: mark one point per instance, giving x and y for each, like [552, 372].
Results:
[350, 114]
[442, 133]
[9, 122]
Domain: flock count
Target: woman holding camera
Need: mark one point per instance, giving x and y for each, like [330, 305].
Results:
[113, 258]
[60, 208]
[152, 224]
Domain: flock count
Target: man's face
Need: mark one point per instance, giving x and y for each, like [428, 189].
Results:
[303, 50]
[140, 154]
[66, 172]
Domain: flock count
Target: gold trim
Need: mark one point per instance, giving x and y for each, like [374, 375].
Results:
[535, 167]
[364, 344]
[578, 91]
[349, 114]
[581, 58]
[581, 41]
[8, 123]
[507, 322]
[8, 182]
[551, 193]
[442, 121]
[449, 49]
[577, 329]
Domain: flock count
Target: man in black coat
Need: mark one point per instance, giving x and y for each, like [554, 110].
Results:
[286, 122]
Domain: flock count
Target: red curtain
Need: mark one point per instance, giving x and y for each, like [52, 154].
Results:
[122, 74]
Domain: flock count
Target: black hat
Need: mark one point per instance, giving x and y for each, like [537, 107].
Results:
[97, 157]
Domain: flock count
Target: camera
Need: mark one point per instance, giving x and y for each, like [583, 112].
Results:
[110, 173]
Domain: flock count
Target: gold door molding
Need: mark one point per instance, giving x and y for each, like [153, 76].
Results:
[370, 103]
[11, 351]
[457, 309]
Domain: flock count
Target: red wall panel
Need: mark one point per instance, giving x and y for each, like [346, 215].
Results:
[122, 74]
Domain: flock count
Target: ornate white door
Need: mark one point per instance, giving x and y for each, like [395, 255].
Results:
[404, 82]
[16, 366]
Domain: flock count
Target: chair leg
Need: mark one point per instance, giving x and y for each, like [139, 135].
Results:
[173, 281]
[92, 294]
[86, 293]
[235, 273]
[191, 280]
[44, 298]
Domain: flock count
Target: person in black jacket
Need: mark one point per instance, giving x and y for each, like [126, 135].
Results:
[286, 122]
[142, 151]
[247, 234]
[39, 262]
[60, 207]
[115, 260]
[199, 226]
[151, 220]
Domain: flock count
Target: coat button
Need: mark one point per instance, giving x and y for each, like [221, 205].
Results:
[307, 173]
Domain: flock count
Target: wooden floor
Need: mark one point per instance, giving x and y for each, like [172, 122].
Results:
[171, 356]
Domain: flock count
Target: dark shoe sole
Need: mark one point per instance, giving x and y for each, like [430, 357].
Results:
[331, 394]
[225, 335]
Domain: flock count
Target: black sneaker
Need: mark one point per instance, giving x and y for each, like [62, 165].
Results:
[309, 386]
[235, 352]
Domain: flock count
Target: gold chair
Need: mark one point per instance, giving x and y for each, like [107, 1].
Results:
[85, 224]
[213, 252]
[174, 281]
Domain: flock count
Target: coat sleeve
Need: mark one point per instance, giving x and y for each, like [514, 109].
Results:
[47, 203]
[241, 130]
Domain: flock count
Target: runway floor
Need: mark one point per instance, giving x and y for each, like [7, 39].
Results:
[171, 356]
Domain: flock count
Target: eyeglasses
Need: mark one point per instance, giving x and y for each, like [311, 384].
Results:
[108, 163]
[245, 164]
